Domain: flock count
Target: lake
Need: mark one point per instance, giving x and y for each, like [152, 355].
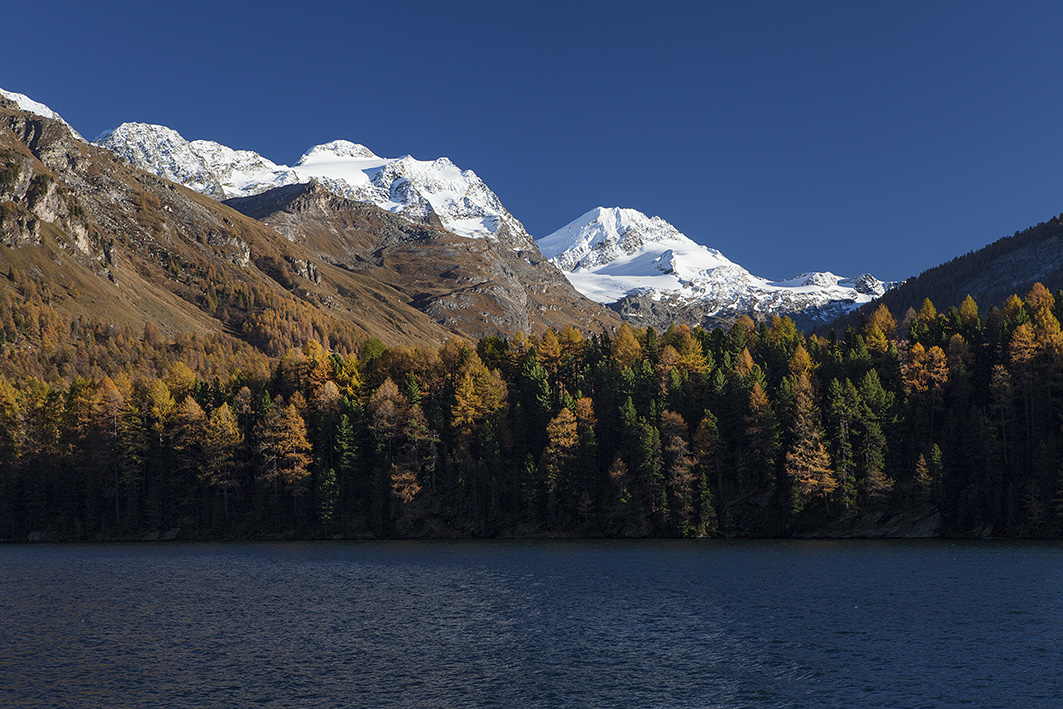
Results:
[533, 624]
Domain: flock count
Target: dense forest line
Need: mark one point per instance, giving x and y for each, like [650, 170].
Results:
[107, 433]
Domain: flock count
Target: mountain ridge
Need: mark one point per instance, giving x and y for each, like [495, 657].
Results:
[687, 282]
[405, 185]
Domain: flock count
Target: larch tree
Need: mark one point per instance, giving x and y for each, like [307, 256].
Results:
[762, 440]
[626, 347]
[562, 437]
[1039, 297]
[968, 313]
[222, 440]
[808, 464]
[548, 352]
[188, 426]
[923, 480]
[283, 451]
[877, 488]
[881, 329]
[480, 392]
[388, 411]
[1021, 353]
[180, 380]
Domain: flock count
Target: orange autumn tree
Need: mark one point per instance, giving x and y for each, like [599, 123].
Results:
[807, 463]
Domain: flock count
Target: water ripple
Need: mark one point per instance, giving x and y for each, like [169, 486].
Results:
[536, 624]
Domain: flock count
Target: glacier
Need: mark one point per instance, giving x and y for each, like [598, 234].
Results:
[614, 254]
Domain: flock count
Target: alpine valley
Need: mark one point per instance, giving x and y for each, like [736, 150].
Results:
[197, 342]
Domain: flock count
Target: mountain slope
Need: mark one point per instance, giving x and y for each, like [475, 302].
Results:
[128, 246]
[23, 102]
[114, 243]
[473, 286]
[651, 273]
[1010, 265]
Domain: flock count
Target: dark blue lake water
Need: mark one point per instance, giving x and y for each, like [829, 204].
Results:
[540, 624]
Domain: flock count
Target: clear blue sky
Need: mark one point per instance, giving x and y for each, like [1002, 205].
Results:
[793, 136]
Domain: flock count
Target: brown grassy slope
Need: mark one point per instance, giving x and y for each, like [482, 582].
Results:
[115, 243]
[119, 244]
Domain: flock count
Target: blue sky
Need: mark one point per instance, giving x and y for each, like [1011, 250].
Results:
[792, 136]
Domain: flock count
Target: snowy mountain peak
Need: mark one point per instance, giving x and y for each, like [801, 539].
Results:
[171, 156]
[37, 108]
[868, 284]
[613, 254]
[605, 235]
[338, 149]
[413, 188]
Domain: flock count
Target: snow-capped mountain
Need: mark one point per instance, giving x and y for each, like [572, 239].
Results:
[621, 256]
[413, 188]
[642, 267]
[25, 103]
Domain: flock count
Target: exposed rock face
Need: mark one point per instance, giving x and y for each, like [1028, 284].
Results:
[131, 248]
[915, 523]
[473, 286]
[171, 156]
[31, 198]
[427, 229]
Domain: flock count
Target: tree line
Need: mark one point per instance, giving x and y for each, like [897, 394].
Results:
[757, 429]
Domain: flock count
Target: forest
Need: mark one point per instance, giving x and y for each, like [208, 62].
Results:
[107, 433]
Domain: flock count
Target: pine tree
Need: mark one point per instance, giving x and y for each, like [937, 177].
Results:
[679, 479]
[843, 402]
[328, 500]
[707, 466]
[621, 512]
